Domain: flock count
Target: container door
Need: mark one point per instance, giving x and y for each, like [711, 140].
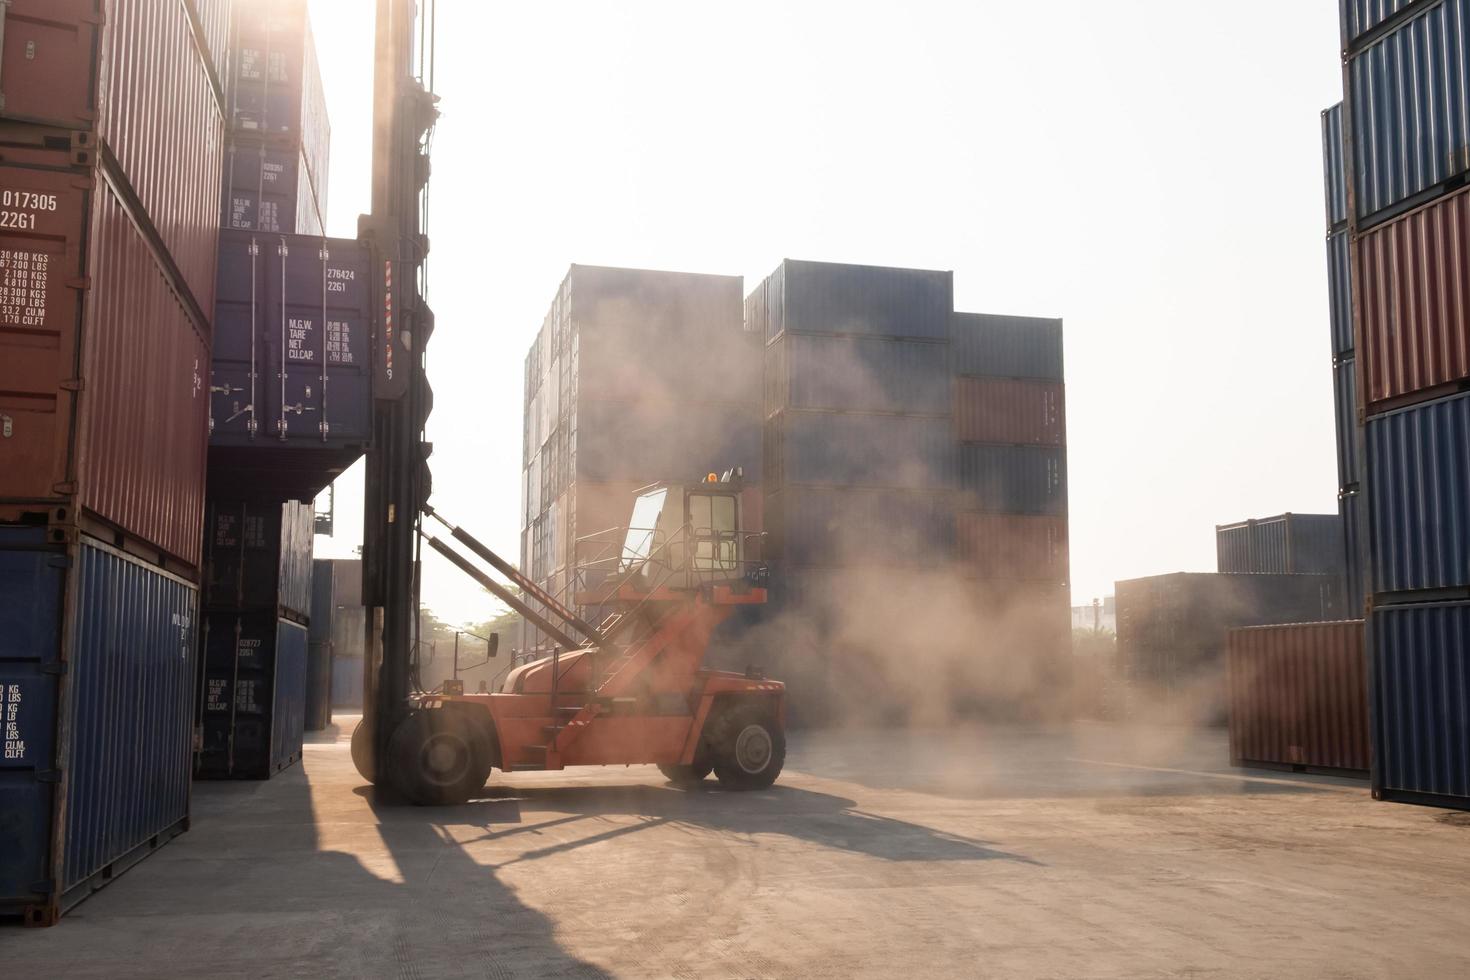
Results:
[48, 69]
[31, 581]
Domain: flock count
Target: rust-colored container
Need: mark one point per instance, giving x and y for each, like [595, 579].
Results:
[1010, 412]
[137, 81]
[1025, 547]
[1299, 697]
[1414, 302]
[103, 368]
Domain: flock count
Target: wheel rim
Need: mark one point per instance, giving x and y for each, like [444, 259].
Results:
[444, 759]
[753, 749]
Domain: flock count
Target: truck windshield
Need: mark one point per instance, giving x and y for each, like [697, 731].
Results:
[638, 545]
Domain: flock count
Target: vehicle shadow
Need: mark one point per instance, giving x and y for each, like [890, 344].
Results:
[811, 817]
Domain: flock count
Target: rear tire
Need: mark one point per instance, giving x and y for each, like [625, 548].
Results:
[749, 747]
[686, 775]
[362, 750]
[439, 757]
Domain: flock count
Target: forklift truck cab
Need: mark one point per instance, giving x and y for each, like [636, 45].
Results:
[686, 536]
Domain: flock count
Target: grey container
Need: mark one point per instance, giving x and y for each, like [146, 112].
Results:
[1007, 346]
[258, 556]
[267, 188]
[1288, 544]
[318, 710]
[1345, 410]
[1355, 548]
[862, 300]
[1013, 479]
[848, 450]
[1334, 170]
[1339, 293]
[253, 709]
[1359, 17]
[1419, 664]
[844, 527]
[857, 374]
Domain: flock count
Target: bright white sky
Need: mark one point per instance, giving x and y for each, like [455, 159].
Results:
[1149, 170]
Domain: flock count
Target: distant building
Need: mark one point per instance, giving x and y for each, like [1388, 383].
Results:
[1099, 614]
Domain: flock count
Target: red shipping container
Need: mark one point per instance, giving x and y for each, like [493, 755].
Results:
[1414, 301]
[1013, 546]
[1299, 696]
[102, 366]
[137, 79]
[1011, 412]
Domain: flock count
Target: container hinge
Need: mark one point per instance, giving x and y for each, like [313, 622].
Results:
[59, 561]
[57, 669]
[64, 489]
[73, 384]
[48, 775]
[79, 282]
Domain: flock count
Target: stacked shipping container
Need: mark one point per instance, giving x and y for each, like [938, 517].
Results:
[1406, 78]
[1290, 544]
[113, 130]
[636, 377]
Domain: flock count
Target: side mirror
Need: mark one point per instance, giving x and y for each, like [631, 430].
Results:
[494, 645]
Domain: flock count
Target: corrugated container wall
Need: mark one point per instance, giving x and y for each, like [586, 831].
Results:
[128, 658]
[319, 645]
[1419, 471]
[1355, 540]
[1007, 346]
[1410, 102]
[1010, 412]
[260, 557]
[1339, 292]
[254, 708]
[856, 450]
[1361, 16]
[837, 527]
[1421, 703]
[1308, 544]
[1013, 546]
[1299, 697]
[1345, 417]
[106, 406]
[1013, 479]
[1414, 300]
[1334, 170]
[267, 187]
[859, 300]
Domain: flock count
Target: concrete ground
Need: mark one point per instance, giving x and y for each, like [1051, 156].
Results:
[1092, 852]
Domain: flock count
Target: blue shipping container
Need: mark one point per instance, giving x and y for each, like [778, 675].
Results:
[1410, 94]
[1345, 401]
[1334, 170]
[1339, 293]
[871, 301]
[1420, 682]
[121, 695]
[1013, 479]
[835, 527]
[858, 374]
[274, 87]
[1288, 544]
[259, 556]
[267, 188]
[319, 645]
[1419, 497]
[346, 681]
[649, 441]
[254, 710]
[292, 345]
[988, 346]
[1361, 16]
[826, 449]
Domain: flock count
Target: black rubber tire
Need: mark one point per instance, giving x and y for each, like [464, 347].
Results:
[439, 757]
[730, 728]
[362, 751]
[686, 775]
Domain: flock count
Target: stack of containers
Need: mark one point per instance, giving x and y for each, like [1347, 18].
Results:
[859, 468]
[252, 699]
[347, 635]
[113, 134]
[279, 138]
[290, 393]
[1010, 420]
[1406, 79]
[636, 377]
[318, 712]
[1344, 364]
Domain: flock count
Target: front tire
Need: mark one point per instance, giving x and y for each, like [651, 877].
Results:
[749, 748]
[439, 757]
[362, 750]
